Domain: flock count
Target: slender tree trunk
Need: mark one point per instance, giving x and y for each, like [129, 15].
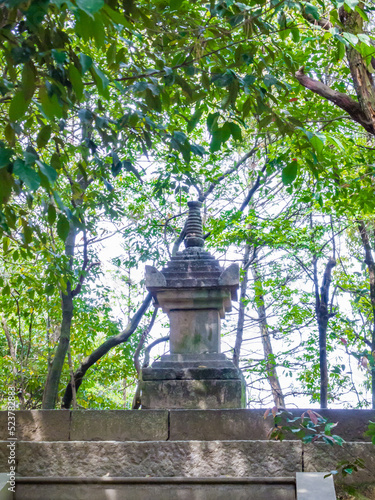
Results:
[323, 315]
[54, 373]
[370, 262]
[13, 355]
[242, 307]
[272, 376]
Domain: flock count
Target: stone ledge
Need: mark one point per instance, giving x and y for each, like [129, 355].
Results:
[160, 459]
[250, 424]
[143, 425]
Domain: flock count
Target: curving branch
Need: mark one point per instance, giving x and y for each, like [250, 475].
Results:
[341, 100]
[102, 351]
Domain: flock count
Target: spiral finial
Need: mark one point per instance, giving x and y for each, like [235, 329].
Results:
[194, 228]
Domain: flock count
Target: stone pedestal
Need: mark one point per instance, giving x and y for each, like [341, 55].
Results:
[188, 381]
[195, 293]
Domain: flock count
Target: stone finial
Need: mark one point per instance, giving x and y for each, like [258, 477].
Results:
[194, 228]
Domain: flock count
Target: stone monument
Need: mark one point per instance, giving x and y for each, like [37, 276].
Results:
[195, 293]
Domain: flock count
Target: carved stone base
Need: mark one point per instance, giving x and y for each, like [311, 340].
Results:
[182, 381]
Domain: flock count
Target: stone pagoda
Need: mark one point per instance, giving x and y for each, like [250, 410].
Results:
[195, 293]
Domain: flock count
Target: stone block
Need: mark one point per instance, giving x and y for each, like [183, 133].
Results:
[211, 425]
[320, 457]
[119, 425]
[185, 394]
[160, 459]
[194, 331]
[39, 425]
[4, 454]
[181, 373]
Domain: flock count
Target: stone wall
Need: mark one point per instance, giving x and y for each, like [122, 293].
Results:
[178, 443]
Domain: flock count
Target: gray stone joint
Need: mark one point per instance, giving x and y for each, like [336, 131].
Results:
[194, 228]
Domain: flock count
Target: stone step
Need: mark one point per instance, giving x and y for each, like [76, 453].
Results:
[155, 488]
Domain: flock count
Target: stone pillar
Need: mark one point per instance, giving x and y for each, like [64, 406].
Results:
[195, 293]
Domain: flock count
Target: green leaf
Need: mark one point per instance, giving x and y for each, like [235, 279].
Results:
[6, 184]
[235, 131]
[18, 106]
[26, 174]
[101, 81]
[48, 171]
[86, 62]
[317, 143]
[5, 156]
[212, 120]
[50, 105]
[198, 150]
[90, 6]
[76, 81]
[28, 80]
[51, 214]
[62, 227]
[192, 123]
[289, 173]
[44, 136]
[352, 39]
[59, 56]
[215, 144]
[312, 10]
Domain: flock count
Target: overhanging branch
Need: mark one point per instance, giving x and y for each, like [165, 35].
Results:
[341, 100]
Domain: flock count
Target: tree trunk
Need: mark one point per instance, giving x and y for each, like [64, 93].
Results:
[269, 357]
[370, 262]
[362, 78]
[54, 373]
[242, 306]
[13, 355]
[322, 315]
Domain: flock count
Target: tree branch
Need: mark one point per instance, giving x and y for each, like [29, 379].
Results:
[142, 340]
[103, 349]
[341, 100]
[230, 171]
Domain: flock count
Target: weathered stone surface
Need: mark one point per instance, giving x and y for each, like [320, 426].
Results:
[4, 454]
[323, 457]
[230, 276]
[200, 394]
[154, 278]
[119, 425]
[195, 331]
[211, 425]
[160, 459]
[238, 424]
[41, 425]
[196, 373]
[156, 492]
[250, 424]
[351, 424]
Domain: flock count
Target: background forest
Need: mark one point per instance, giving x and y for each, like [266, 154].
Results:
[113, 114]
